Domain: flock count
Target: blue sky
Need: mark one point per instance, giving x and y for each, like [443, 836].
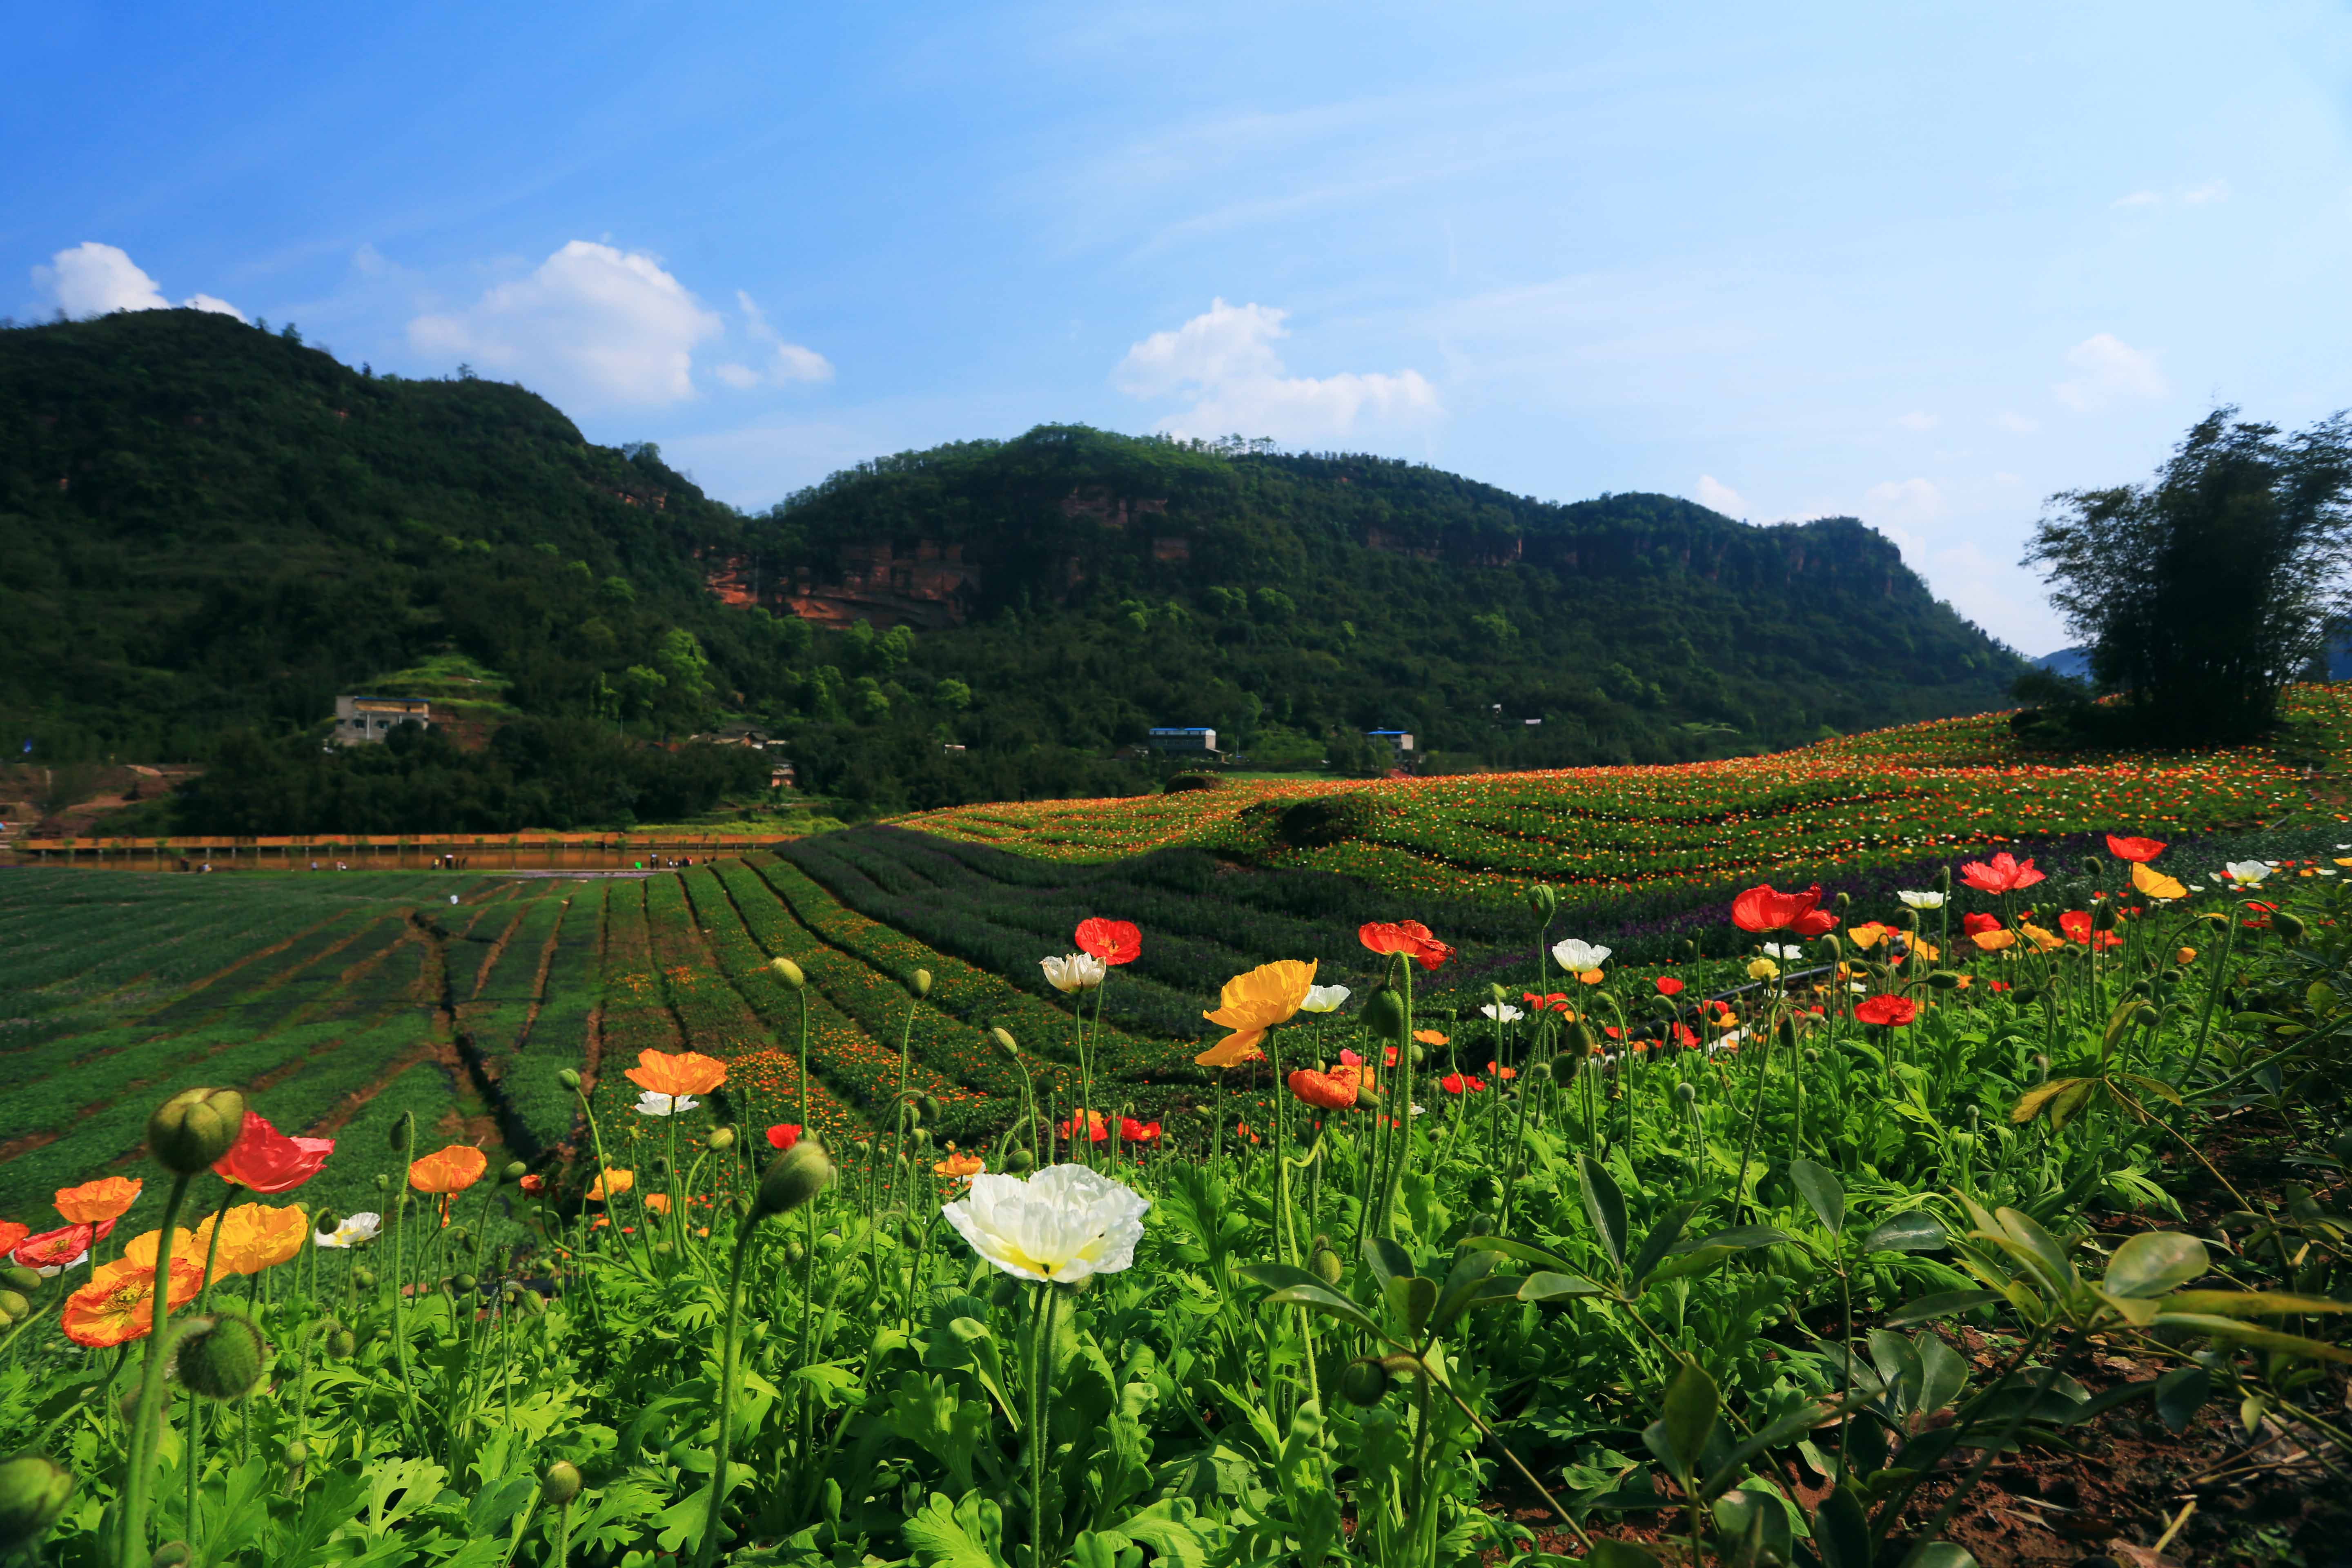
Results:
[1924, 264]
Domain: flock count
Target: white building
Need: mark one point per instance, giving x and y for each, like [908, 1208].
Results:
[362, 720]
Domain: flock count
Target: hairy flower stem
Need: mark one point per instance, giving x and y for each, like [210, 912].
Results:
[2213, 995]
[802, 994]
[709, 1546]
[1040, 1374]
[133, 1551]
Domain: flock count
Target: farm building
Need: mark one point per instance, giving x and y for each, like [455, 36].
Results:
[362, 720]
[1182, 739]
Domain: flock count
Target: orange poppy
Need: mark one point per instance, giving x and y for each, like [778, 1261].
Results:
[117, 1305]
[1430, 1037]
[253, 1237]
[657, 1202]
[959, 1165]
[1252, 1003]
[452, 1169]
[1503, 1073]
[689, 1072]
[1333, 1090]
[619, 1181]
[93, 1203]
[10, 1233]
[1411, 938]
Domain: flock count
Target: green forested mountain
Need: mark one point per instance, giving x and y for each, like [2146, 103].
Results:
[208, 530]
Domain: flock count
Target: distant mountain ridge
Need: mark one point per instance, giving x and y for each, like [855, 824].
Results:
[207, 528]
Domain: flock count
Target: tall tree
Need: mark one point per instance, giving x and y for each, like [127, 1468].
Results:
[2202, 592]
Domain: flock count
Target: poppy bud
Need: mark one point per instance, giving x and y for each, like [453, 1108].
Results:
[1364, 1382]
[1944, 878]
[795, 1252]
[14, 1306]
[1019, 1161]
[1543, 901]
[194, 1128]
[794, 1177]
[1325, 1261]
[1539, 1073]
[1004, 1041]
[2146, 1017]
[2103, 916]
[663, 1249]
[2027, 995]
[920, 1138]
[1812, 1057]
[383, 1182]
[298, 1454]
[920, 984]
[516, 1171]
[568, 1079]
[20, 1279]
[1684, 1094]
[33, 1493]
[1842, 903]
[342, 1344]
[1943, 979]
[930, 1106]
[1384, 1016]
[560, 1483]
[171, 1554]
[462, 1283]
[2091, 867]
[659, 1164]
[363, 1277]
[788, 971]
[219, 1357]
[403, 1133]
[459, 1236]
[721, 1139]
[1417, 1055]
[2289, 927]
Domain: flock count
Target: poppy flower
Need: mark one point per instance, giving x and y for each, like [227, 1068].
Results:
[533, 1185]
[51, 1251]
[1550, 1001]
[783, 1134]
[2185, 956]
[1131, 1131]
[1113, 941]
[1411, 938]
[1993, 941]
[1252, 1003]
[1505, 1074]
[1669, 987]
[452, 1169]
[2156, 884]
[109, 1197]
[1763, 908]
[2000, 985]
[264, 1160]
[2076, 924]
[657, 1202]
[117, 1305]
[1867, 935]
[2137, 850]
[2005, 873]
[1333, 1090]
[1681, 1034]
[253, 1237]
[1455, 1083]
[1324, 999]
[2262, 913]
[959, 1166]
[687, 1072]
[1073, 972]
[1431, 1037]
[611, 1185]
[1888, 1012]
[1971, 925]
[10, 1233]
[1502, 1012]
[1363, 1068]
[2047, 941]
[1097, 1129]
[1577, 956]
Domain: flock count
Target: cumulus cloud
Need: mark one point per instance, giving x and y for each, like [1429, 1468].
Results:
[2016, 424]
[785, 362]
[2187, 195]
[94, 279]
[2105, 368]
[607, 325]
[1919, 419]
[1717, 496]
[1225, 363]
[1913, 502]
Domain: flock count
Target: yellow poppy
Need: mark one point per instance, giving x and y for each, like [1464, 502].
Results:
[1252, 1003]
[141, 1250]
[1866, 935]
[255, 1238]
[2156, 884]
[2047, 941]
[1993, 941]
[959, 1165]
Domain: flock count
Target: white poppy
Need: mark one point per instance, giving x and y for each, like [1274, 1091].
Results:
[362, 1226]
[1502, 1012]
[1061, 1225]
[2247, 873]
[1928, 900]
[1786, 951]
[1073, 972]
[1323, 999]
[1577, 956]
[652, 1104]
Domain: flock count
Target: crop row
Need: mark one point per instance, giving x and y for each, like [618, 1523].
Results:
[636, 1008]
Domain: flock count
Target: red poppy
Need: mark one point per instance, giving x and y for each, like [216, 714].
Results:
[1682, 1035]
[1972, 924]
[2137, 850]
[783, 1134]
[1133, 1131]
[1331, 1090]
[2076, 924]
[533, 1185]
[1609, 1030]
[53, 1248]
[10, 1233]
[2262, 913]
[2005, 873]
[1455, 1083]
[1555, 1001]
[1411, 938]
[1888, 1011]
[264, 1160]
[1113, 941]
[1669, 987]
[1762, 909]
[1097, 1129]
[2000, 984]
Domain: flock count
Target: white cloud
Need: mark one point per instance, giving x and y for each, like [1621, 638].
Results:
[1225, 365]
[1918, 419]
[2212, 190]
[2016, 424]
[1906, 501]
[2187, 195]
[607, 325]
[1717, 496]
[2137, 199]
[93, 279]
[788, 361]
[2106, 367]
